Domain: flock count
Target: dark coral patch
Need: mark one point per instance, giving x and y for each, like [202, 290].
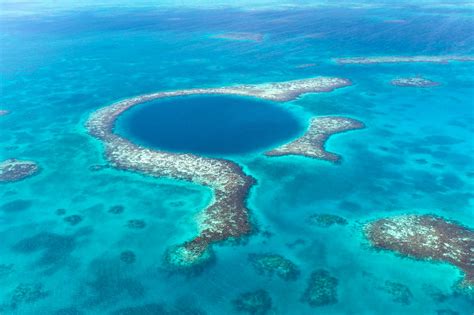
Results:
[109, 283]
[73, 219]
[158, 309]
[136, 224]
[421, 161]
[400, 293]
[60, 211]
[270, 264]
[435, 293]
[69, 311]
[256, 302]
[446, 312]
[321, 289]
[26, 293]
[117, 209]
[452, 181]
[55, 247]
[326, 220]
[128, 257]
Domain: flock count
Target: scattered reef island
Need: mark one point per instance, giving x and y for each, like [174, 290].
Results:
[12, 170]
[426, 237]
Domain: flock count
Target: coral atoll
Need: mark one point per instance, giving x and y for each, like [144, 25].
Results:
[270, 264]
[256, 302]
[13, 170]
[227, 216]
[312, 143]
[426, 237]
[321, 289]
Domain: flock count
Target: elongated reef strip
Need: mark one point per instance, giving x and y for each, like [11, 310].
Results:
[400, 59]
[426, 237]
[312, 143]
[227, 216]
[414, 82]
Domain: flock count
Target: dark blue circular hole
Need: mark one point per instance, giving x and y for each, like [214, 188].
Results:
[208, 124]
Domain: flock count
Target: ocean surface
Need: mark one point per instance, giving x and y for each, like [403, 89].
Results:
[414, 156]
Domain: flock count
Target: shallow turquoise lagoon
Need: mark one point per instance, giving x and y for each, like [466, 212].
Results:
[415, 156]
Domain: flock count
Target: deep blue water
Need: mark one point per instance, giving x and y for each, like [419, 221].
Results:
[209, 125]
[415, 156]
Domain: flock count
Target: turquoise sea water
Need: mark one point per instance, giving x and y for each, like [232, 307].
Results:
[415, 156]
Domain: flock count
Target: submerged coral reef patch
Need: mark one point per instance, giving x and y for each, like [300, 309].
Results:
[426, 237]
[414, 82]
[270, 264]
[12, 170]
[326, 220]
[227, 216]
[256, 302]
[312, 143]
[321, 289]
[400, 293]
[26, 293]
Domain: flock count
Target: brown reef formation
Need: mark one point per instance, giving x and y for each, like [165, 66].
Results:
[270, 264]
[325, 220]
[312, 143]
[12, 170]
[321, 289]
[399, 59]
[414, 82]
[227, 216]
[426, 237]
